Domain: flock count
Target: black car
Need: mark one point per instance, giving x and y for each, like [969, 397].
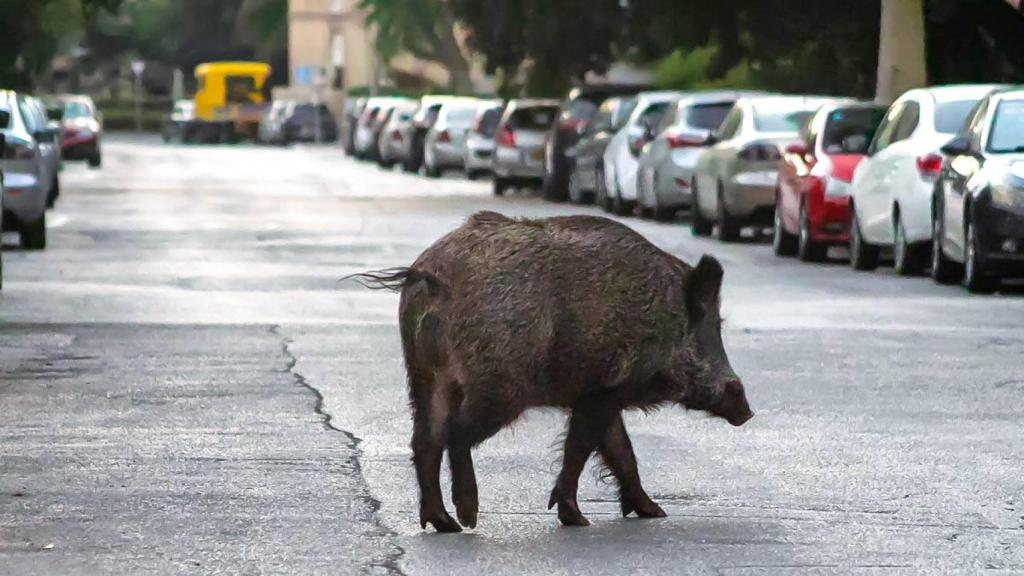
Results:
[575, 113]
[586, 179]
[422, 121]
[309, 123]
[978, 205]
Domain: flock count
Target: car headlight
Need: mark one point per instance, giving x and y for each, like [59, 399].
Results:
[836, 188]
[1008, 195]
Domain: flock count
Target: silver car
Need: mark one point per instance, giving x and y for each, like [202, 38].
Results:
[24, 164]
[668, 161]
[519, 142]
[392, 144]
[445, 145]
[371, 123]
[480, 141]
[735, 179]
[47, 134]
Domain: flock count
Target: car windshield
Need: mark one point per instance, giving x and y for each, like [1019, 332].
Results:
[708, 116]
[849, 130]
[5, 117]
[307, 111]
[533, 118]
[950, 116]
[1007, 133]
[74, 110]
[780, 119]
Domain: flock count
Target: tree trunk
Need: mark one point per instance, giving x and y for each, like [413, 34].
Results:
[901, 59]
[450, 54]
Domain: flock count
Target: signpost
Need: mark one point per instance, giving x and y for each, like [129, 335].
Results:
[138, 68]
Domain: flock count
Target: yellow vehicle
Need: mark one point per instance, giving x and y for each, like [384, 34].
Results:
[229, 100]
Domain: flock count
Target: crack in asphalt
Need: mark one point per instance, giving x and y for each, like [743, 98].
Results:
[390, 564]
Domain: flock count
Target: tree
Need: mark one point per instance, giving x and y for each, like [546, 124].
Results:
[427, 30]
[31, 31]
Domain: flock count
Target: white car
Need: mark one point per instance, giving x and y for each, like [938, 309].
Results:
[621, 158]
[892, 189]
[26, 170]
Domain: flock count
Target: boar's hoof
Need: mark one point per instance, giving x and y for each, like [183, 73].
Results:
[644, 508]
[568, 510]
[466, 509]
[441, 521]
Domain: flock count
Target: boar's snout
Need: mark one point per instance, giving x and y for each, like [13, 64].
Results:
[733, 404]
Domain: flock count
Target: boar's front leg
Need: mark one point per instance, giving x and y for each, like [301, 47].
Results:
[587, 425]
[617, 452]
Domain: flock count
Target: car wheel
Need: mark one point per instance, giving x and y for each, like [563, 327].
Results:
[976, 280]
[96, 160]
[700, 225]
[33, 234]
[807, 249]
[783, 243]
[499, 185]
[664, 214]
[908, 259]
[863, 255]
[944, 270]
[575, 193]
[555, 187]
[601, 194]
[51, 198]
[728, 226]
[621, 207]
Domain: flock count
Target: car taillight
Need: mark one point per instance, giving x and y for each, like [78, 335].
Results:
[760, 152]
[444, 136]
[929, 165]
[396, 135]
[506, 137]
[682, 141]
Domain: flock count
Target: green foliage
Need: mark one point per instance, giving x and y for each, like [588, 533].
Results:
[685, 70]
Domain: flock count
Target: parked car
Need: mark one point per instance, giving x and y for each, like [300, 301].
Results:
[308, 122]
[393, 143]
[4, 118]
[24, 165]
[978, 202]
[812, 197]
[178, 125]
[892, 189]
[575, 112]
[271, 130]
[667, 161]
[422, 121]
[48, 137]
[480, 141]
[586, 182]
[519, 143]
[81, 128]
[621, 157]
[734, 183]
[371, 123]
[445, 145]
[353, 111]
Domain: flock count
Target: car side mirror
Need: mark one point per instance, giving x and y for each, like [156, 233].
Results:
[958, 146]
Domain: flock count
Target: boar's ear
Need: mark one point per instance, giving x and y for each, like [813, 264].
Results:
[703, 287]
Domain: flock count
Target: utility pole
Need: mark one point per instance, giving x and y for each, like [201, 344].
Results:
[901, 59]
[138, 68]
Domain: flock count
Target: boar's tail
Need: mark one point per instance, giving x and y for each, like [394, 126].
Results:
[393, 279]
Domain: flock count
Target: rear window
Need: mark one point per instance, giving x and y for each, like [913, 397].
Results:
[950, 116]
[780, 119]
[533, 118]
[77, 110]
[1008, 128]
[849, 126]
[488, 122]
[582, 108]
[708, 116]
[304, 111]
[462, 116]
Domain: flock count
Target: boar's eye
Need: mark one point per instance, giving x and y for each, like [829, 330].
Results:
[703, 287]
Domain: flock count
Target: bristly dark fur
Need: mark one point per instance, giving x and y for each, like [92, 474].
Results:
[394, 279]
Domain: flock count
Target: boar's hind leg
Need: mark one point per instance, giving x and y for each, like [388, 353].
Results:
[587, 425]
[430, 415]
[617, 452]
[464, 493]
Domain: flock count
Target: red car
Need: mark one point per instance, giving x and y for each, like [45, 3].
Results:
[81, 130]
[812, 196]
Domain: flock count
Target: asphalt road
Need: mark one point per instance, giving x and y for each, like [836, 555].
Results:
[186, 388]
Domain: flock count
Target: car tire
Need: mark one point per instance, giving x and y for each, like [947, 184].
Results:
[728, 226]
[96, 160]
[33, 234]
[51, 198]
[499, 185]
[806, 248]
[601, 194]
[908, 259]
[576, 195]
[944, 270]
[555, 187]
[863, 255]
[664, 214]
[622, 207]
[700, 225]
[976, 279]
[783, 243]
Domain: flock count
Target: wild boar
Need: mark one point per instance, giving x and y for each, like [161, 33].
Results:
[579, 313]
